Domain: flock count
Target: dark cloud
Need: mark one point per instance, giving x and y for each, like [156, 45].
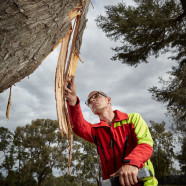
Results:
[35, 97]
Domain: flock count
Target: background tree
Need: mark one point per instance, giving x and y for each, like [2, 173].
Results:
[40, 148]
[6, 137]
[66, 180]
[149, 28]
[86, 164]
[182, 157]
[32, 152]
[7, 156]
[163, 153]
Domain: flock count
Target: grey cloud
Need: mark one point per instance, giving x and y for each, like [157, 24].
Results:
[35, 97]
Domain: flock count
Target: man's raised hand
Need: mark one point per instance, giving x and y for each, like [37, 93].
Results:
[70, 91]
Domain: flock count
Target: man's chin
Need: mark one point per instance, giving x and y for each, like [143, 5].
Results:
[97, 111]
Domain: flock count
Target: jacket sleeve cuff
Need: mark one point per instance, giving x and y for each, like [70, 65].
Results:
[133, 162]
[77, 104]
[140, 154]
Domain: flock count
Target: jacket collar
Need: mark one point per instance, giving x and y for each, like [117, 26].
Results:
[119, 117]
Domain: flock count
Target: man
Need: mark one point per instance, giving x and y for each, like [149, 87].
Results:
[123, 140]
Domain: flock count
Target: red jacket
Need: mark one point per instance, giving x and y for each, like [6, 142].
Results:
[126, 141]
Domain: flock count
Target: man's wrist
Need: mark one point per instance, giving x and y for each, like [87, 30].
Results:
[73, 102]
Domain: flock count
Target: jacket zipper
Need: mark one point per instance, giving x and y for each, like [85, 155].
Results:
[125, 148]
[112, 146]
[103, 151]
[96, 142]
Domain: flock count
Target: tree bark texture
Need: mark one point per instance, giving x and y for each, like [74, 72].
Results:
[29, 30]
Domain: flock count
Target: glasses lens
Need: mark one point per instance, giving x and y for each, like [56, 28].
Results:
[94, 96]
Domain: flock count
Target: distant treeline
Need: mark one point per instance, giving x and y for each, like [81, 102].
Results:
[30, 154]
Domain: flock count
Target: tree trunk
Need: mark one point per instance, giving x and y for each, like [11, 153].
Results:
[29, 29]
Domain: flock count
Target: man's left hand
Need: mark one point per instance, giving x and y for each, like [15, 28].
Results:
[127, 175]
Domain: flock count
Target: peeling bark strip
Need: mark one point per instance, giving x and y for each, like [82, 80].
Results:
[70, 154]
[61, 75]
[79, 14]
[9, 104]
[59, 84]
[77, 39]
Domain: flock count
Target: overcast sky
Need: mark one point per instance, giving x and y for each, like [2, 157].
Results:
[34, 97]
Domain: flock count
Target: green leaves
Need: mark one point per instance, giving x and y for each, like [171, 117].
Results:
[34, 151]
[37, 149]
[85, 161]
[174, 93]
[143, 30]
[163, 153]
[182, 157]
[6, 137]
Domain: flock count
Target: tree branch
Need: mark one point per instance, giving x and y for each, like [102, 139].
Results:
[180, 17]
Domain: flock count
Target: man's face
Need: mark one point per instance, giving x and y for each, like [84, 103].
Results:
[98, 101]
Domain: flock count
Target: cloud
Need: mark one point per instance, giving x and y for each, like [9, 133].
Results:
[34, 98]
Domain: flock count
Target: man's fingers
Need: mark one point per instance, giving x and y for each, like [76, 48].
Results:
[73, 80]
[67, 90]
[134, 177]
[131, 181]
[66, 83]
[115, 174]
[121, 180]
[135, 180]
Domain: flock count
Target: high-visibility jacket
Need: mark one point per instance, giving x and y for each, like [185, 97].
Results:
[126, 141]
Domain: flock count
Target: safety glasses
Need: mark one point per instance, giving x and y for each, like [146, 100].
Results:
[94, 96]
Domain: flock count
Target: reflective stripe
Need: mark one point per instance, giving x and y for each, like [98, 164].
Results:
[151, 182]
[141, 129]
[120, 123]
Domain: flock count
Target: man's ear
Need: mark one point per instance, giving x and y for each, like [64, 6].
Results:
[109, 100]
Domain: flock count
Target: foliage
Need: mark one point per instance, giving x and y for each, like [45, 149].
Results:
[65, 180]
[174, 92]
[36, 150]
[7, 149]
[149, 28]
[144, 29]
[33, 151]
[6, 137]
[163, 153]
[39, 148]
[182, 157]
[86, 164]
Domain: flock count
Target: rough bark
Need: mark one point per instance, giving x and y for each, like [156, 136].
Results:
[29, 30]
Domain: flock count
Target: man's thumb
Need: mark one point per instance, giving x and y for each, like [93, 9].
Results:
[115, 174]
[73, 80]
